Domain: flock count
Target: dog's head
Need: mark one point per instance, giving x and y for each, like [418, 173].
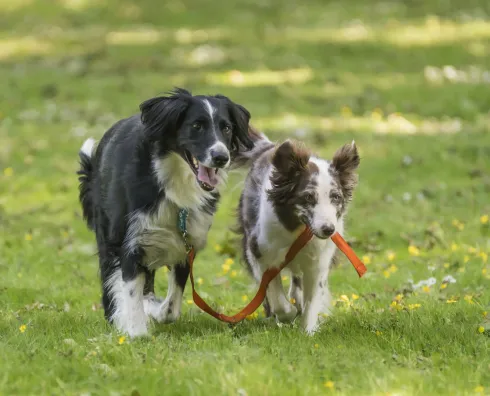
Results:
[205, 130]
[315, 191]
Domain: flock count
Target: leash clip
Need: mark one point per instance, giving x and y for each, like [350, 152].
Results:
[188, 246]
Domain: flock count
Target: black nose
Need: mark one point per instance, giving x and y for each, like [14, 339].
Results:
[220, 159]
[328, 230]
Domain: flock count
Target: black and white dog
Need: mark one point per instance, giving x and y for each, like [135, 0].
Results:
[146, 168]
[286, 189]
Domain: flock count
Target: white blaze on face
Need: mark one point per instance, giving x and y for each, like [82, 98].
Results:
[217, 147]
[324, 212]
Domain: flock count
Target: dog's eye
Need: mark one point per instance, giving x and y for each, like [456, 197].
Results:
[226, 129]
[310, 198]
[197, 125]
[335, 197]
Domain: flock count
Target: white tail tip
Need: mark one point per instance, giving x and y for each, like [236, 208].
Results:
[88, 147]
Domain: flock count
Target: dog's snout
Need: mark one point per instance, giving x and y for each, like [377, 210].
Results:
[220, 158]
[327, 230]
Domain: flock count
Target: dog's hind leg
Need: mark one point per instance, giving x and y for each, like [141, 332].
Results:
[296, 292]
[168, 311]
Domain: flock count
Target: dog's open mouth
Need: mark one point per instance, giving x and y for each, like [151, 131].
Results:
[206, 177]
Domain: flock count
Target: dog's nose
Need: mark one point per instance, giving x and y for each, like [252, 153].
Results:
[328, 230]
[219, 158]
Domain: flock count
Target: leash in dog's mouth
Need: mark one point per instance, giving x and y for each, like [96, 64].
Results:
[206, 177]
[300, 242]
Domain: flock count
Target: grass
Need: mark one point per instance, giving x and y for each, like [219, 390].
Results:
[407, 80]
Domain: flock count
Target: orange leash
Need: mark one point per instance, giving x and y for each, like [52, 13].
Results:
[270, 274]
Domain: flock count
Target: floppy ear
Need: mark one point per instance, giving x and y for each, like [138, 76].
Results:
[163, 114]
[345, 162]
[290, 161]
[240, 118]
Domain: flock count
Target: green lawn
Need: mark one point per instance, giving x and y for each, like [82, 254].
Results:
[408, 80]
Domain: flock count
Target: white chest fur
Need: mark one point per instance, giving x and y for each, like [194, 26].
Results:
[160, 238]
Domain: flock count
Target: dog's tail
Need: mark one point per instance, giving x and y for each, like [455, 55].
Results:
[244, 157]
[85, 176]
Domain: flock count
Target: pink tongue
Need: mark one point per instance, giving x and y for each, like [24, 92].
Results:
[207, 175]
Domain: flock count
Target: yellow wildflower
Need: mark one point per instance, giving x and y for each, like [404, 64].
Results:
[483, 271]
[398, 297]
[346, 111]
[451, 301]
[484, 256]
[22, 328]
[316, 345]
[391, 256]
[471, 249]
[484, 219]
[413, 250]
[200, 281]
[466, 259]
[395, 305]
[121, 340]
[479, 389]
[393, 268]
[218, 248]
[454, 247]
[481, 329]
[7, 172]
[190, 302]
[28, 236]
[413, 306]
[233, 274]
[225, 268]
[446, 265]
[284, 278]
[378, 333]
[386, 274]
[344, 298]
[293, 300]
[426, 289]
[444, 285]
[244, 298]
[329, 384]
[469, 299]
[253, 316]
[366, 259]
[484, 313]
[355, 297]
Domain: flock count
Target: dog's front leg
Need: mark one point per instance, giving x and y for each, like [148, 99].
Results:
[125, 288]
[317, 298]
[168, 311]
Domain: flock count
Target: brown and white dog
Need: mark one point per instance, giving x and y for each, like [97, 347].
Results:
[287, 188]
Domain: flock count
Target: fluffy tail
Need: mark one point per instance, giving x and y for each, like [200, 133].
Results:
[244, 157]
[85, 175]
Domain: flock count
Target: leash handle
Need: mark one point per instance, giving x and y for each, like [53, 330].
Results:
[267, 277]
[351, 255]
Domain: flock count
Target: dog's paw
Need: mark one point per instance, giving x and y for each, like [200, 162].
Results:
[161, 311]
[286, 315]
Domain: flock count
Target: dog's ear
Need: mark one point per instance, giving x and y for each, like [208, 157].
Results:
[290, 161]
[163, 114]
[345, 162]
[240, 117]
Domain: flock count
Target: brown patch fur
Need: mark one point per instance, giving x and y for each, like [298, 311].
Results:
[345, 161]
